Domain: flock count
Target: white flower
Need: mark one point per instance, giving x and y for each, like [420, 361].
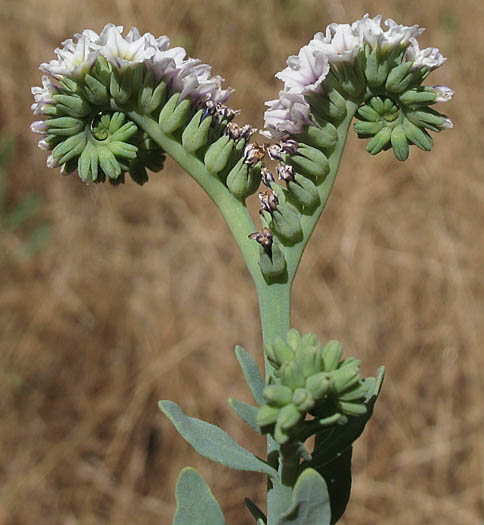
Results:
[444, 93]
[429, 57]
[373, 34]
[306, 71]
[76, 58]
[448, 124]
[341, 43]
[288, 115]
[44, 95]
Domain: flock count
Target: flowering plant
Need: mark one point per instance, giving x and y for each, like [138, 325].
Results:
[115, 105]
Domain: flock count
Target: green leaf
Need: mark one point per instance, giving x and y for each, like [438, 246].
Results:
[310, 501]
[337, 475]
[213, 442]
[335, 440]
[246, 412]
[251, 373]
[255, 511]
[195, 503]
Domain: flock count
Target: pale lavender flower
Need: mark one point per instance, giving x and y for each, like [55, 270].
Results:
[306, 71]
[43, 96]
[288, 115]
[444, 93]
[341, 43]
[429, 57]
[448, 124]
[39, 127]
[374, 35]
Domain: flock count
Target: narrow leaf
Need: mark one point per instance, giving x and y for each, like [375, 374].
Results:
[251, 373]
[213, 442]
[195, 503]
[310, 501]
[246, 412]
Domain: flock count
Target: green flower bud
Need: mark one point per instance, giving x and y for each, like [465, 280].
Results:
[150, 97]
[378, 105]
[88, 164]
[195, 135]
[95, 91]
[72, 105]
[108, 163]
[319, 384]
[286, 224]
[352, 409]
[271, 356]
[320, 164]
[174, 115]
[64, 126]
[324, 136]
[417, 136]
[304, 192]
[331, 420]
[367, 113]
[418, 96]
[358, 392]
[400, 78]
[303, 400]
[350, 361]
[292, 375]
[379, 141]
[400, 143]
[283, 351]
[309, 359]
[309, 340]
[428, 118]
[344, 378]
[267, 415]
[293, 338]
[218, 155]
[368, 128]
[280, 435]
[331, 106]
[289, 416]
[69, 148]
[376, 70]
[351, 82]
[332, 353]
[273, 265]
[243, 179]
[278, 395]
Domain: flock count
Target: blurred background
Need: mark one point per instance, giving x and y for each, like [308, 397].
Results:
[114, 298]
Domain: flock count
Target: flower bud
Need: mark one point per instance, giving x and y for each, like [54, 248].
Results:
[218, 155]
[331, 355]
[311, 162]
[428, 118]
[303, 400]
[399, 143]
[293, 338]
[421, 95]
[278, 395]
[286, 224]
[309, 359]
[72, 105]
[417, 136]
[324, 136]
[267, 415]
[379, 141]
[151, 96]
[376, 70]
[319, 384]
[352, 82]
[304, 192]
[344, 378]
[243, 179]
[444, 93]
[69, 148]
[64, 126]
[366, 129]
[283, 351]
[174, 114]
[95, 91]
[195, 134]
[359, 391]
[291, 375]
[399, 78]
[367, 113]
[274, 264]
[289, 416]
[352, 409]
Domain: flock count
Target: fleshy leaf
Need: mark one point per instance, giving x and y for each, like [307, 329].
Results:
[213, 442]
[337, 475]
[246, 412]
[255, 511]
[195, 503]
[251, 373]
[310, 501]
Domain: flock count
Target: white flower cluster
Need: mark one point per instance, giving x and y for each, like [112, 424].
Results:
[76, 57]
[306, 72]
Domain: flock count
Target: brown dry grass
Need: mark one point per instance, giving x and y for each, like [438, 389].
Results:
[141, 294]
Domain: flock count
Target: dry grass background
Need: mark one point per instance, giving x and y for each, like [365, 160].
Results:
[141, 294]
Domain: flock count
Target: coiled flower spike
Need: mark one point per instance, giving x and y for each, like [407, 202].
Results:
[98, 81]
